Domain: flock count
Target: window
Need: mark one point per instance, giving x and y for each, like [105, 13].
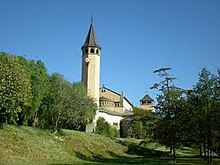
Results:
[115, 124]
[103, 90]
[97, 51]
[117, 104]
[143, 102]
[149, 102]
[92, 50]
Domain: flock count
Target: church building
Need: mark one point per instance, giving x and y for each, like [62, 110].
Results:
[112, 106]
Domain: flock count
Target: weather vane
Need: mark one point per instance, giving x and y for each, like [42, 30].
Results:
[91, 19]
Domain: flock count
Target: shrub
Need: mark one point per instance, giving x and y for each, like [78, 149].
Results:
[104, 128]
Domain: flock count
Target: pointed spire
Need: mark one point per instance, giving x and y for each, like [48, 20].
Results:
[91, 39]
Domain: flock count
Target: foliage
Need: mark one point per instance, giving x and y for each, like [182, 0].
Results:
[142, 122]
[81, 109]
[169, 106]
[204, 106]
[191, 117]
[104, 128]
[67, 105]
[28, 95]
[40, 86]
[15, 89]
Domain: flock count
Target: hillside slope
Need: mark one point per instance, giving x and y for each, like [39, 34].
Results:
[28, 145]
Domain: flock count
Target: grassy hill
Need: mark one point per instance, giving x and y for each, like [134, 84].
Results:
[27, 145]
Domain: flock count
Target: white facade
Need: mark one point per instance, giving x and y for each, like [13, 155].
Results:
[111, 119]
[127, 105]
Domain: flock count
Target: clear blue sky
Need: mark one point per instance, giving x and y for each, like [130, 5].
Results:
[137, 37]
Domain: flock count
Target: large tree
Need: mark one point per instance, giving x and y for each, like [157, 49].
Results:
[204, 105]
[81, 109]
[15, 88]
[142, 122]
[169, 107]
[66, 105]
[40, 86]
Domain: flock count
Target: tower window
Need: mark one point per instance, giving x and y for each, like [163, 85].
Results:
[143, 102]
[92, 50]
[97, 51]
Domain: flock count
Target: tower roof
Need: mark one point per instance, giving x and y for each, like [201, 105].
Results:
[91, 39]
[147, 98]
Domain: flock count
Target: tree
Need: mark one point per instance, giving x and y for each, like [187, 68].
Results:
[80, 109]
[142, 122]
[216, 127]
[170, 104]
[66, 105]
[15, 88]
[204, 102]
[56, 106]
[40, 86]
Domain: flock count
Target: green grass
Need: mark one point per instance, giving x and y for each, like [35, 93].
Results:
[27, 145]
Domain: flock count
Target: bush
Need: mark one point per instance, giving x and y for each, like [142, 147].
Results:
[104, 128]
[113, 132]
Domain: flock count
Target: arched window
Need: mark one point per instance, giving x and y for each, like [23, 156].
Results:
[97, 51]
[92, 50]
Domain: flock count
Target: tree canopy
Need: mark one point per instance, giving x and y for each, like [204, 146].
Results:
[15, 89]
[29, 95]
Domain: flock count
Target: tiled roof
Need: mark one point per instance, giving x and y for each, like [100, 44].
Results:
[147, 98]
[91, 39]
[114, 113]
[105, 99]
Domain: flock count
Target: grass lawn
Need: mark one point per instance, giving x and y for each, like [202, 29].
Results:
[27, 145]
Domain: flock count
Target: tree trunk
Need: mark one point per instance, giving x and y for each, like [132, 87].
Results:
[174, 155]
[171, 150]
[204, 150]
[35, 121]
[200, 150]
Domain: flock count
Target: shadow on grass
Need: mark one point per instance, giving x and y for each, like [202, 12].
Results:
[132, 160]
[97, 159]
[124, 161]
[138, 155]
[134, 149]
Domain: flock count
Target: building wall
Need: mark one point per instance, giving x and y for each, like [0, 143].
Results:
[112, 120]
[126, 105]
[120, 105]
[147, 106]
[110, 95]
[117, 105]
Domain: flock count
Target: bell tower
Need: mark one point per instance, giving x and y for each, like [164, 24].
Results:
[91, 51]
